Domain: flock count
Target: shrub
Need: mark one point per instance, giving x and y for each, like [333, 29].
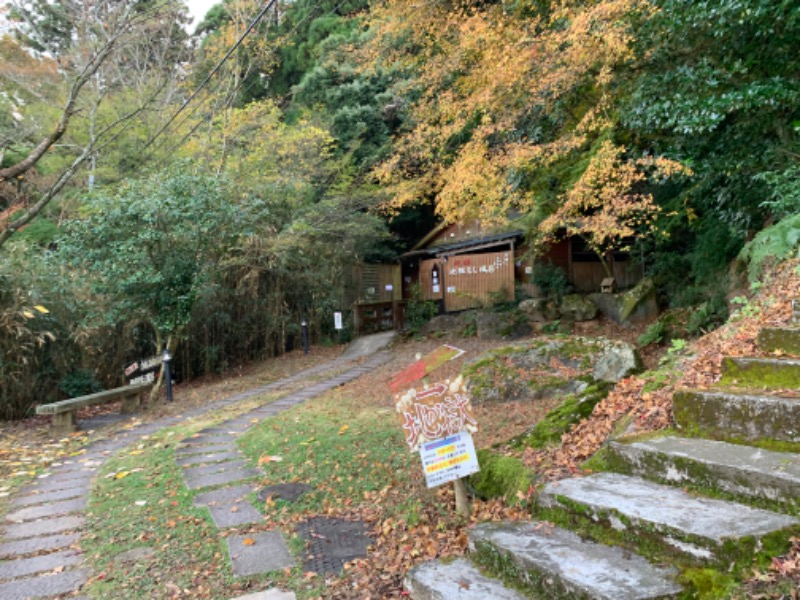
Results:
[551, 280]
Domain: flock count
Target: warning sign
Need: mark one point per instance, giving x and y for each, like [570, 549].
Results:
[448, 459]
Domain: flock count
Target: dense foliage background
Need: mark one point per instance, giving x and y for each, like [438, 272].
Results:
[153, 193]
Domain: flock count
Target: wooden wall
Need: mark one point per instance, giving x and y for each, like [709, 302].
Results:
[475, 280]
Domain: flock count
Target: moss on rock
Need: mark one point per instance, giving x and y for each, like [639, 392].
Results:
[546, 367]
[501, 476]
[558, 421]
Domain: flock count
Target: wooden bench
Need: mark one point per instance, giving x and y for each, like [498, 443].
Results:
[64, 412]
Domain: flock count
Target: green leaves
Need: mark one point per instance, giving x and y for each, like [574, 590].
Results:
[149, 247]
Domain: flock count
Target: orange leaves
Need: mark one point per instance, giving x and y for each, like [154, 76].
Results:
[269, 459]
[604, 207]
[479, 75]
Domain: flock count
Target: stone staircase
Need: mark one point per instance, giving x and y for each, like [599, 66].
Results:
[723, 489]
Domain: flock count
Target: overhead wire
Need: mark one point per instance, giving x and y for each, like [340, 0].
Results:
[211, 74]
[236, 90]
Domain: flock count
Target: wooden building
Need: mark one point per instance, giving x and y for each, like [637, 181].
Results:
[464, 266]
[376, 295]
[461, 266]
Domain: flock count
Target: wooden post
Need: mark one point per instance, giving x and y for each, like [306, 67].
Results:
[463, 507]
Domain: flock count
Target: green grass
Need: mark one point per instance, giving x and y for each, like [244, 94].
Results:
[140, 501]
[351, 456]
[347, 455]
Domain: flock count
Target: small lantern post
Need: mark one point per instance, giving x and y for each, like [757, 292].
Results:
[304, 325]
[166, 358]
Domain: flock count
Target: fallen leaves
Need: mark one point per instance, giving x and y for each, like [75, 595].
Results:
[269, 459]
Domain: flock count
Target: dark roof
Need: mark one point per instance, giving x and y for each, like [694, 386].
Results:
[486, 240]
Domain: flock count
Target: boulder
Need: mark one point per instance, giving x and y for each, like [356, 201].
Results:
[543, 368]
[447, 323]
[575, 307]
[541, 310]
[638, 305]
[616, 361]
[488, 326]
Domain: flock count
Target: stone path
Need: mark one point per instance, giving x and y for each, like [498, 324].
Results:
[39, 541]
[211, 459]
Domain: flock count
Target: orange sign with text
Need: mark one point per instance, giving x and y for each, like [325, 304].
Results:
[436, 412]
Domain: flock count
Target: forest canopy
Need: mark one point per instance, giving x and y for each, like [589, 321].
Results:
[233, 175]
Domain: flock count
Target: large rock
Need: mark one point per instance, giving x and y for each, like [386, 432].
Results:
[447, 323]
[638, 305]
[488, 326]
[547, 367]
[540, 310]
[577, 308]
[616, 361]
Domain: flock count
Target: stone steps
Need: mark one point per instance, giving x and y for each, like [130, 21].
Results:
[742, 471]
[738, 416]
[640, 507]
[704, 530]
[445, 580]
[761, 373]
[555, 563]
[780, 339]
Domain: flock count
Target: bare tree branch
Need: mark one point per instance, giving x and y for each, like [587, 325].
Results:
[66, 114]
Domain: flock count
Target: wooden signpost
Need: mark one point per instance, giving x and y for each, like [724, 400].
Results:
[437, 421]
[147, 369]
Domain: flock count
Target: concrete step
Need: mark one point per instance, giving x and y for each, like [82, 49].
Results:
[742, 471]
[761, 373]
[737, 416]
[439, 580]
[668, 519]
[780, 339]
[556, 563]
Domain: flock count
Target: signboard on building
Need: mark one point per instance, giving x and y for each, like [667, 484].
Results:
[448, 459]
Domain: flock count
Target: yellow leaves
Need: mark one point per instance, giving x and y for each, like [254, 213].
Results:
[604, 206]
[122, 474]
[248, 542]
[41, 309]
[343, 429]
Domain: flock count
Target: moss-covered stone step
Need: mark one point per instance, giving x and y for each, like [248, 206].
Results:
[735, 416]
[780, 339]
[459, 578]
[555, 563]
[670, 521]
[762, 373]
[742, 471]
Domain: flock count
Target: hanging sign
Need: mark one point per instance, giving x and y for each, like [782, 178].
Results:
[337, 320]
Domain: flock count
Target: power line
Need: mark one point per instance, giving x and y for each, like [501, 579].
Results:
[253, 82]
[213, 72]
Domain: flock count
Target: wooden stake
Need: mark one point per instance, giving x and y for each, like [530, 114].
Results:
[463, 507]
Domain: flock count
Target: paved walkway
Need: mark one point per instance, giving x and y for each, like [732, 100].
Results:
[39, 555]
